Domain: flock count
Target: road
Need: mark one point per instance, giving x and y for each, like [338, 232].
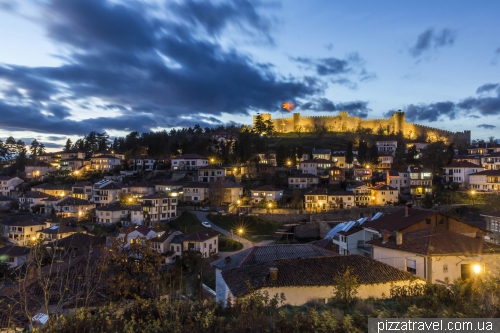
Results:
[202, 216]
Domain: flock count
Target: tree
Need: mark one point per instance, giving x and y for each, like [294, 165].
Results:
[346, 287]
[349, 157]
[435, 157]
[362, 152]
[411, 155]
[259, 125]
[269, 127]
[34, 149]
[373, 155]
[68, 144]
[217, 191]
[41, 149]
[450, 152]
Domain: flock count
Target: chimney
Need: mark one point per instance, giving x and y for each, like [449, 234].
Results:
[386, 237]
[31, 272]
[399, 238]
[273, 274]
[407, 210]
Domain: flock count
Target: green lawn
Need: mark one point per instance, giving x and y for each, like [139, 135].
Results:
[187, 223]
[250, 225]
[227, 244]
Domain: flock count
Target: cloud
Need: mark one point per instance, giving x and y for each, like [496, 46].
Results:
[328, 46]
[431, 112]
[429, 39]
[474, 116]
[486, 126]
[487, 87]
[338, 71]
[356, 108]
[121, 58]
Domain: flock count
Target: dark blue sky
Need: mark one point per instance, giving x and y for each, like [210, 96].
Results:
[70, 67]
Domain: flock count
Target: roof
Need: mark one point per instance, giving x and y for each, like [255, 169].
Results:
[35, 194]
[384, 187]
[210, 167]
[14, 251]
[393, 173]
[197, 185]
[318, 191]
[261, 254]
[111, 186]
[156, 196]
[58, 229]
[48, 186]
[317, 160]
[201, 235]
[178, 239]
[267, 188]
[142, 184]
[397, 221]
[311, 272]
[303, 175]
[82, 184]
[71, 201]
[143, 157]
[111, 208]
[486, 172]
[6, 177]
[437, 241]
[72, 159]
[105, 156]
[462, 164]
[492, 214]
[22, 223]
[340, 193]
[190, 156]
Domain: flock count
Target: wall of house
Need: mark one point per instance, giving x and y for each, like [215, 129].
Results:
[398, 259]
[447, 222]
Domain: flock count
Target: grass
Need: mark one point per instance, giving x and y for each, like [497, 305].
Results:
[250, 225]
[229, 245]
[187, 223]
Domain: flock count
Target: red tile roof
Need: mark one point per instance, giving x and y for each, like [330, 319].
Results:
[202, 235]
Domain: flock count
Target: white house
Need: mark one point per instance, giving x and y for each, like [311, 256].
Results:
[188, 162]
[22, 232]
[387, 146]
[458, 172]
[267, 193]
[14, 255]
[487, 180]
[302, 180]
[211, 173]
[384, 194]
[491, 161]
[106, 192]
[318, 167]
[30, 199]
[104, 163]
[159, 207]
[72, 207]
[196, 192]
[8, 185]
[38, 170]
[142, 163]
[205, 242]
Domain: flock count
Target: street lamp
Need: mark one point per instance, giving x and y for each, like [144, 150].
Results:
[270, 205]
[476, 268]
[240, 231]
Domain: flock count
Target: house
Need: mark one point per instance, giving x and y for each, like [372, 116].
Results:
[458, 172]
[336, 175]
[393, 179]
[493, 225]
[140, 189]
[350, 237]
[340, 200]
[106, 192]
[338, 158]
[53, 190]
[38, 170]
[104, 163]
[162, 242]
[159, 207]
[71, 164]
[437, 255]
[72, 207]
[384, 194]
[269, 157]
[47, 158]
[196, 192]
[302, 180]
[316, 200]
[166, 187]
[258, 255]
[176, 245]
[32, 198]
[232, 192]
[322, 154]
[188, 162]
[211, 173]
[265, 169]
[385, 161]
[78, 241]
[387, 146]
[206, 242]
[134, 233]
[110, 152]
[8, 185]
[55, 232]
[420, 181]
[22, 232]
[267, 193]
[487, 180]
[82, 190]
[142, 163]
[302, 280]
[318, 167]
[362, 174]
[14, 255]
[74, 153]
[471, 159]
[491, 161]
[112, 214]
[362, 194]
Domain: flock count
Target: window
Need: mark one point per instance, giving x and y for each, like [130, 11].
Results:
[465, 270]
[428, 221]
[411, 266]
[445, 268]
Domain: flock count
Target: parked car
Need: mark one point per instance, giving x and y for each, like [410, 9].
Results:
[206, 224]
[206, 209]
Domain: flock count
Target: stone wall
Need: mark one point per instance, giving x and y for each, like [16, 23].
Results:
[345, 123]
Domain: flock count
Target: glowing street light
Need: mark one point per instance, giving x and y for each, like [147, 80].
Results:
[476, 268]
[240, 231]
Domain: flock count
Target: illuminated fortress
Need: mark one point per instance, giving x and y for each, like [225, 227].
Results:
[345, 123]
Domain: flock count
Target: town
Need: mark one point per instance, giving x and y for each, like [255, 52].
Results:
[318, 210]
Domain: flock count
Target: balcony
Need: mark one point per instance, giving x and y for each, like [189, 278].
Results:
[364, 247]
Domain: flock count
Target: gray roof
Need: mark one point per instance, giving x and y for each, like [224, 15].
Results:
[260, 254]
[14, 250]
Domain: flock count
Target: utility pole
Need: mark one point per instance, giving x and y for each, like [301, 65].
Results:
[200, 276]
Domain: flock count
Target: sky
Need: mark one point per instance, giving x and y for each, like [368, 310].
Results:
[116, 66]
